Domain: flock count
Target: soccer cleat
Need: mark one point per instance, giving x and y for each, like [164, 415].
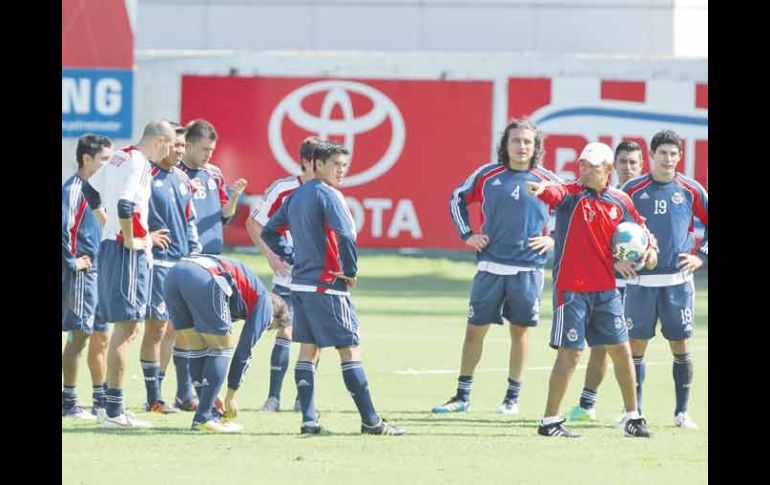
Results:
[191, 405]
[683, 420]
[508, 407]
[272, 405]
[101, 415]
[97, 411]
[214, 426]
[297, 405]
[125, 421]
[555, 429]
[382, 428]
[637, 428]
[78, 413]
[582, 414]
[454, 405]
[313, 428]
[160, 407]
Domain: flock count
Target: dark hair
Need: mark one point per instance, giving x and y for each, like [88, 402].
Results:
[502, 147]
[324, 150]
[665, 137]
[196, 130]
[90, 144]
[627, 146]
[306, 149]
[178, 128]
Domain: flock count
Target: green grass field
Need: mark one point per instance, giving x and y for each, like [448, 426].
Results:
[412, 313]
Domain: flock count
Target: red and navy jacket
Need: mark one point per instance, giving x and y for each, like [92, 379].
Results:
[209, 201]
[324, 235]
[80, 231]
[585, 223]
[670, 209]
[508, 216]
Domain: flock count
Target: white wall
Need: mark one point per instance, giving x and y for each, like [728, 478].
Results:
[641, 27]
[157, 91]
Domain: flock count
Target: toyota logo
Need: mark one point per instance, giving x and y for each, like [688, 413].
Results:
[337, 94]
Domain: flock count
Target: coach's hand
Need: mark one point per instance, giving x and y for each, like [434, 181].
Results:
[535, 188]
[689, 262]
[477, 241]
[83, 262]
[351, 282]
[231, 405]
[625, 269]
[541, 244]
[161, 238]
[650, 258]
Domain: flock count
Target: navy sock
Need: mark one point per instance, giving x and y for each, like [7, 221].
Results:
[214, 374]
[304, 377]
[587, 398]
[197, 359]
[355, 380]
[184, 387]
[279, 364]
[114, 402]
[69, 397]
[150, 371]
[514, 388]
[99, 394]
[641, 371]
[464, 384]
[682, 381]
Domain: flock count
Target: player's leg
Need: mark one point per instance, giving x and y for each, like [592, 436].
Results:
[154, 330]
[598, 361]
[487, 294]
[606, 326]
[97, 365]
[522, 308]
[304, 370]
[677, 314]
[279, 356]
[641, 315]
[69, 364]
[568, 337]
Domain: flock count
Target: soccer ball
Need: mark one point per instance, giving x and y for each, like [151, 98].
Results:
[629, 242]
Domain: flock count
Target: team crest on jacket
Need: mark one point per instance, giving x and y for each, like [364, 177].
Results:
[159, 183]
[677, 198]
[613, 213]
[183, 188]
[212, 184]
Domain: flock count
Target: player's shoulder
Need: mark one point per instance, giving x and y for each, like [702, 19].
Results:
[544, 174]
[688, 182]
[283, 184]
[636, 183]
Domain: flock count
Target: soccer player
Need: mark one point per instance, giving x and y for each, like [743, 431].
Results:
[628, 164]
[275, 195]
[587, 305]
[204, 294]
[81, 234]
[123, 187]
[512, 246]
[213, 207]
[174, 236]
[669, 201]
[325, 258]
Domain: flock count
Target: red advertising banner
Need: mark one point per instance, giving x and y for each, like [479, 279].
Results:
[575, 111]
[411, 141]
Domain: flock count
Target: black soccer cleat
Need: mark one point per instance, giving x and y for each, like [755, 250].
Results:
[637, 428]
[382, 428]
[556, 429]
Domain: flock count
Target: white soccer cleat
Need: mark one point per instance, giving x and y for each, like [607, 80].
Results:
[125, 421]
[78, 413]
[683, 420]
[213, 426]
[508, 407]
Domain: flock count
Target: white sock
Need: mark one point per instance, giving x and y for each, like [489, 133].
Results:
[550, 420]
[633, 415]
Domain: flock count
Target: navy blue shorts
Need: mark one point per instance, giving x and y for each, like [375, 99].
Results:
[79, 302]
[595, 317]
[515, 297]
[324, 320]
[157, 308]
[124, 283]
[673, 305]
[195, 300]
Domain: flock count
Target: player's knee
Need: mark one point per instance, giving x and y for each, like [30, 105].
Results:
[568, 358]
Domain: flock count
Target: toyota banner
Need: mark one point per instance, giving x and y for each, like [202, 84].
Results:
[413, 141]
